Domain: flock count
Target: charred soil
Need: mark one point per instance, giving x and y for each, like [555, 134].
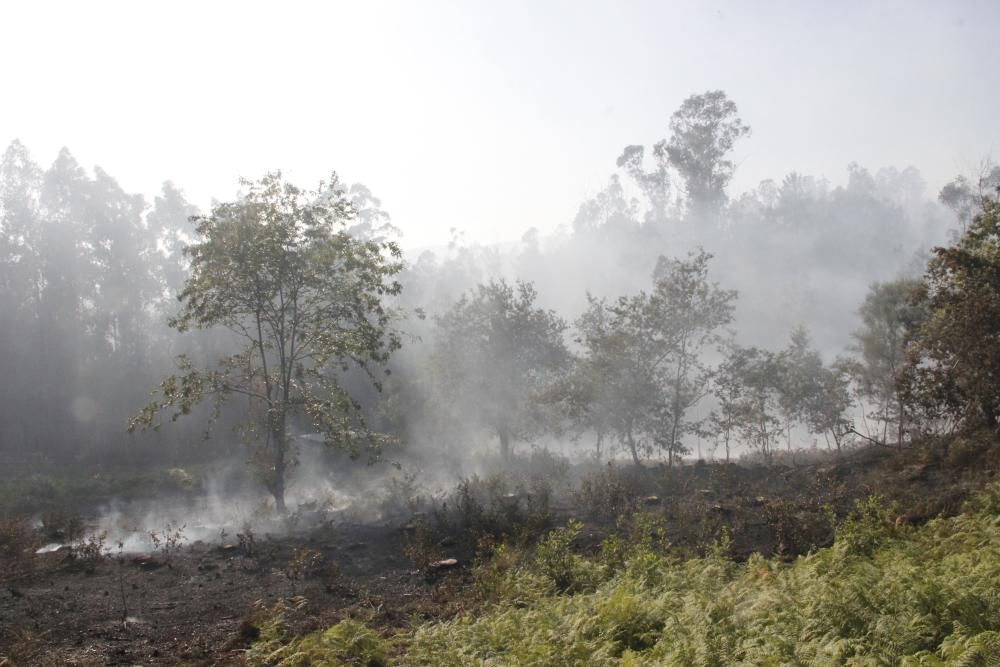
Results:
[200, 603]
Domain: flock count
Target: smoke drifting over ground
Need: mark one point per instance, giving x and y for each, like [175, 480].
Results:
[503, 349]
[601, 304]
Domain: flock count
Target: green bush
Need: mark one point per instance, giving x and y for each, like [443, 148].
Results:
[865, 528]
[882, 595]
[554, 557]
[349, 643]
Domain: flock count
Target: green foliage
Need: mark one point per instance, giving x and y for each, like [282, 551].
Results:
[279, 270]
[496, 352]
[505, 575]
[349, 643]
[890, 314]
[865, 528]
[748, 389]
[703, 132]
[555, 560]
[954, 362]
[881, 595]
[810, 392]
[985, 503]
[642, 368]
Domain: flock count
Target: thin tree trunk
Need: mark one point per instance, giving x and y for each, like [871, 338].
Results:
[505, 449]
[902, 419]
[280, 465]
[630, 441]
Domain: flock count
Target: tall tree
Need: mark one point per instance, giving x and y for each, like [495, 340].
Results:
[654, 184]
[688, 314]
[967, 197]
[703, 132]
[279, 270]
[760, 373]
[954, 361]
[20, 292]
[169, 224]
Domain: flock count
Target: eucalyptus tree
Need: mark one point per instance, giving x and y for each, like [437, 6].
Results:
[305, 301]
[704, 131]
[20, 292]
[169, 225]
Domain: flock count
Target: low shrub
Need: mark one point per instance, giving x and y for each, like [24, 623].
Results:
[555, 560]
[881, 595]
[349, 643]
[608, 493]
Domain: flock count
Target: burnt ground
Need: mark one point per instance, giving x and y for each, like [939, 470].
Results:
[199, 603]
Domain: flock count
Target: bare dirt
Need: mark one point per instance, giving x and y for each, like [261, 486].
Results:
[199, 607]
[199, 604]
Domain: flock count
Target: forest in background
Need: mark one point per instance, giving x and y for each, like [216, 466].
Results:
[669, 317]
[689, 427]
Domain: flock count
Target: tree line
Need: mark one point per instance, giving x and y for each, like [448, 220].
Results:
[291, 311]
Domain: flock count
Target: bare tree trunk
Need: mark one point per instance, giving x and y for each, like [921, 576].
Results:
[280, 465]
[630, 441]
[676, 415]
[836, 439]
[902, 419]
[505, 448]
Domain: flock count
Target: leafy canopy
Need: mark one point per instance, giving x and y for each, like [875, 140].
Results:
[304, 300]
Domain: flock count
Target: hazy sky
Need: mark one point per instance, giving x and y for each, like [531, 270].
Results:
[492, 117]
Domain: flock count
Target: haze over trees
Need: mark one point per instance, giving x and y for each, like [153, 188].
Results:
[495, 353]
[643, 368]
[624, 335]
[669, 313]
